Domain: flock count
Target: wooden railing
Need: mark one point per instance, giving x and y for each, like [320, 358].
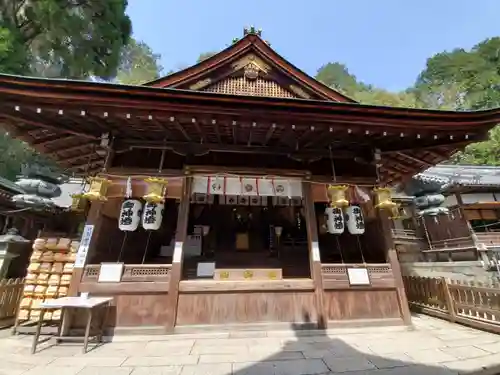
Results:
[133, 273]
[449, 247]
[11, 292]
[489, 239]
[335, 275]
[476, 305]
[405, 234]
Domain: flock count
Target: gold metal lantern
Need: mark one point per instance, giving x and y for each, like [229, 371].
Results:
[337, 195]
[78, 203]
[156, 190]
[383, 198]
[98, 189]
[399, 212]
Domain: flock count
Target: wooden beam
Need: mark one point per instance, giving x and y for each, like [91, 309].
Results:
[234, 130]
[38, 124]
[412, 158]
[250, 133]
[269, 134]
[71, 148]
[53, 139]
[77, 157]
[181, 129]
[217, 130]
[436, 154]
[83, 165]
[201, 133]
[198, 149]
[405, 167]
[449, 145]
[164, 127]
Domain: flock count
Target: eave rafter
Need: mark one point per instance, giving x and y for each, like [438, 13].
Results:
[410, 140]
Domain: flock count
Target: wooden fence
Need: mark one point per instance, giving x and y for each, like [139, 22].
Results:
[472, 304]
[11, 291]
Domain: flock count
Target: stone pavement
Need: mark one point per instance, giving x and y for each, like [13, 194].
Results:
[435, 347]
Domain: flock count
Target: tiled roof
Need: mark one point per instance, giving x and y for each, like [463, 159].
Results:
[10, 186]
[461, 175]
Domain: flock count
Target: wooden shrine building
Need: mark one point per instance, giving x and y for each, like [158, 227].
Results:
[213, 203]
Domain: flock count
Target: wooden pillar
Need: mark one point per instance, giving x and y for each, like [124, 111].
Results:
[180, 237]
[392, 259]
[314, 255]
[94, 218]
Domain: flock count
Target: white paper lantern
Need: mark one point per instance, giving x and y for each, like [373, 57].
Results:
[130, 215]
[152, 216]
[355, 220]
[335, 220]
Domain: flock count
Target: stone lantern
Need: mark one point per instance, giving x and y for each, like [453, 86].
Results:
[12, 245]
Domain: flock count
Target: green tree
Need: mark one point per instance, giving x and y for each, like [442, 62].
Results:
[386, 98]
[337, 76]
[465, 80]
[15, 153]
[138, 64]
[473, 75]
[204, 56]
[57, 38]
[62, 38]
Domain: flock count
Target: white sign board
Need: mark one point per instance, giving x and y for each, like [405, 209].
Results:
[81, 255]
[358, 276]
[110, 273]
[315, 252]
[205, 269]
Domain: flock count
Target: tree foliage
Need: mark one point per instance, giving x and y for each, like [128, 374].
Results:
[16, 153]
[138, 64]
[204, 56]
[472, 80]
[337, 76]
[456, 80]
[62, 38]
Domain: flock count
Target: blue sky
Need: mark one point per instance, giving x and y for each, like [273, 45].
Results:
[384, 42]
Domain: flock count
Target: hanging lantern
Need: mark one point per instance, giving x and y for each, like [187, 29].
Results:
[337, 195]
[383, 198]
[399, 212]
[152, 216]
[335, 220]
[130, 215]
[78, 203]
[156, 190]
[355, 220]
[98, 189]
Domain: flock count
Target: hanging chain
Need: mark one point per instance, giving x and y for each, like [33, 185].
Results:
[361, 250]
[334, 175]
[340, 249]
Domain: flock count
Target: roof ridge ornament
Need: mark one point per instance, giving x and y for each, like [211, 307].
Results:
[252, 30]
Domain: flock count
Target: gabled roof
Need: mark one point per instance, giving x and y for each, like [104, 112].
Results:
[219, 72]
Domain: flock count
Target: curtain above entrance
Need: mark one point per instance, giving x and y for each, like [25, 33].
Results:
[250, 186]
